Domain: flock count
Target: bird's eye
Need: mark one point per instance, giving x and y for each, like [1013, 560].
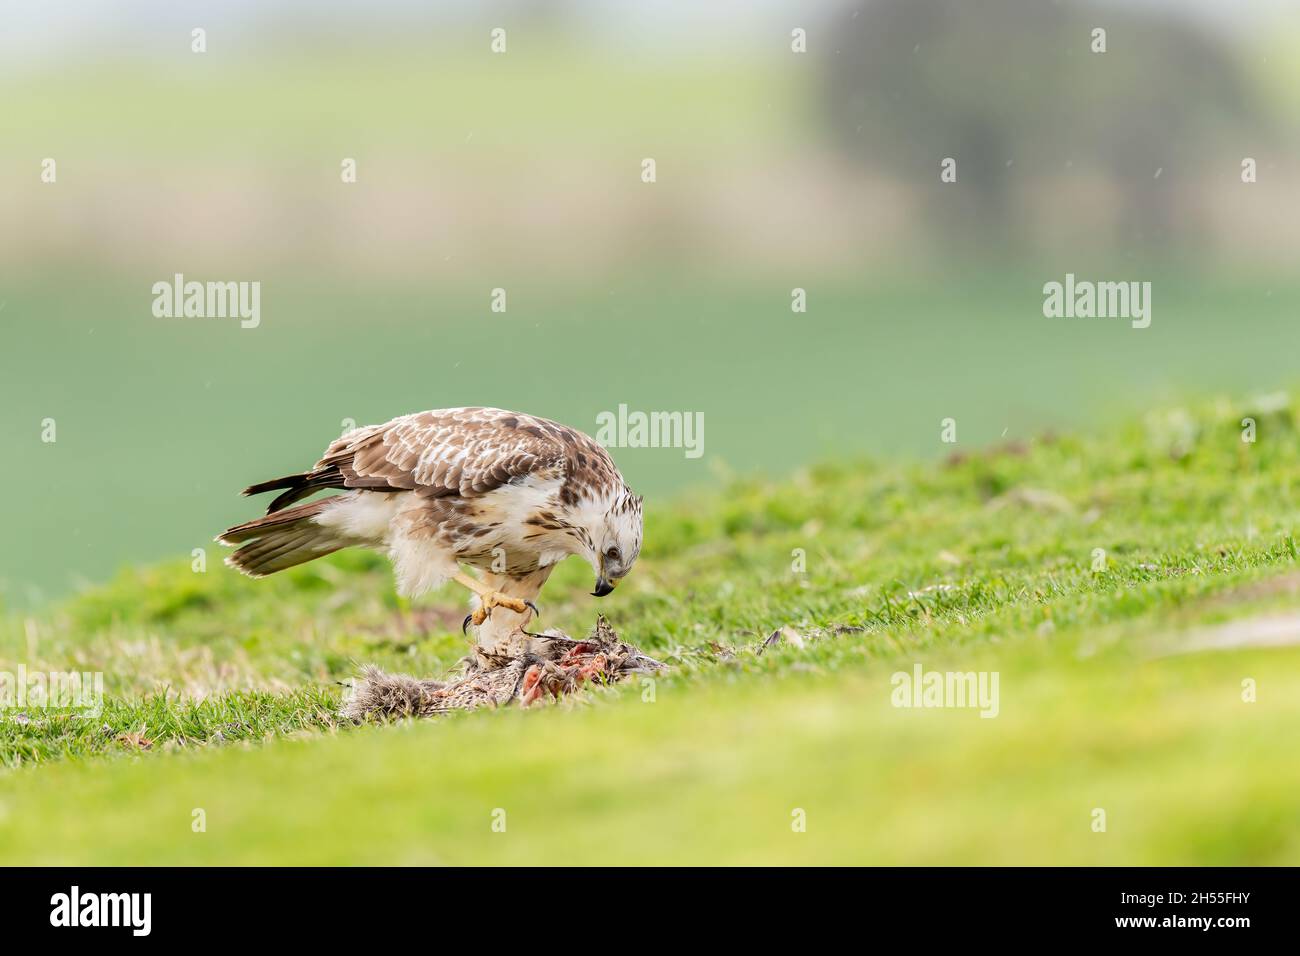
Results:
[612, 554]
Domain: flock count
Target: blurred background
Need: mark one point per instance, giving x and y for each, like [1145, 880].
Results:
[476, 170]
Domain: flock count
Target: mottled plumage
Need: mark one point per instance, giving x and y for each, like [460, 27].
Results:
[507, 493]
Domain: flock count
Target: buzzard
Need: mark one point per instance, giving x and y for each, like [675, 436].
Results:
[506, 493]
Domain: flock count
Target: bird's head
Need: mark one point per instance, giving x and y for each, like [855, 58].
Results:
[616, 541]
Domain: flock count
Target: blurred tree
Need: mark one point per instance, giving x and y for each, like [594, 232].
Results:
[1013, 90]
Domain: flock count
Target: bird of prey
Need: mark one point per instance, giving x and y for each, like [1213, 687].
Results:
[506, 493]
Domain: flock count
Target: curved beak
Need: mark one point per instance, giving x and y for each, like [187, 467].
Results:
[604, 586]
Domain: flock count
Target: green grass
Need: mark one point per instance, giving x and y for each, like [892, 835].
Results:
[221, 690]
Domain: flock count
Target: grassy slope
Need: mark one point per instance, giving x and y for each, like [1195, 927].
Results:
[983, 564]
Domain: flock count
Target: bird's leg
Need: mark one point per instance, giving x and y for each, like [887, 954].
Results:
[490, 598]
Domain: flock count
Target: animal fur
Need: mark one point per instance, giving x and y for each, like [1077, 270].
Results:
[535, 667]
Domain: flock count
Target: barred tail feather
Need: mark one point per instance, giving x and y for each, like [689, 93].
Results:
[281, 540]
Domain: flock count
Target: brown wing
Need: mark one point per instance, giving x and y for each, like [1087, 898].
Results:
[455, 451]
[458, 451]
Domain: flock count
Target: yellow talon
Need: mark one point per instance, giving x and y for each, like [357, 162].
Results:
[488, 599]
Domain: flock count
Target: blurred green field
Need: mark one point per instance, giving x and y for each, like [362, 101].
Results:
[288, 100]
[521, 171]
[161, 422]
[220, 689]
